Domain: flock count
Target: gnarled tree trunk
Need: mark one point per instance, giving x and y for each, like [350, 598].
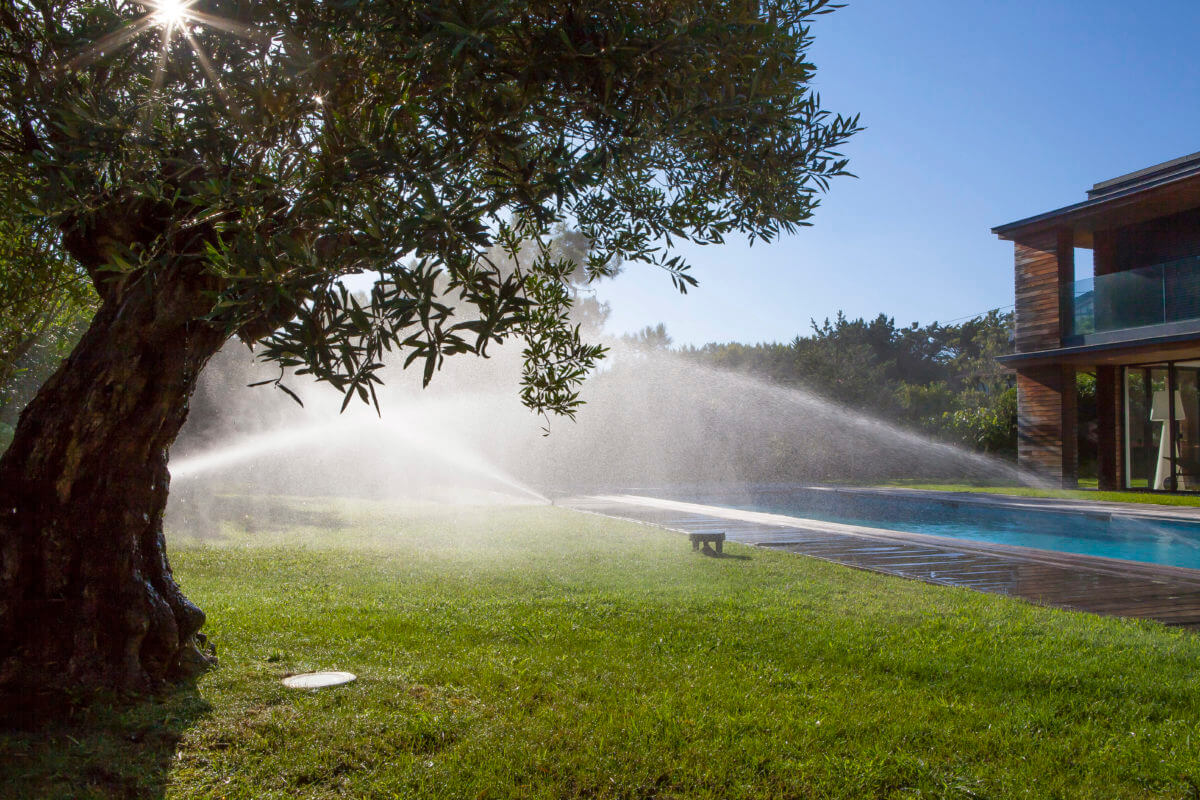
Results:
[87, 599]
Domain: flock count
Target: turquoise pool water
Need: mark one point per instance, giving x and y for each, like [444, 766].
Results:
[1134, 538]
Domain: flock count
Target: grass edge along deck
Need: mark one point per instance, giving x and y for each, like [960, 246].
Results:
[1108, 586]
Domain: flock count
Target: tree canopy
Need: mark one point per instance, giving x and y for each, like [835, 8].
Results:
[273, 148]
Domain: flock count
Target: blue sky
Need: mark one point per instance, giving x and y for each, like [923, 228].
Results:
[978, 113]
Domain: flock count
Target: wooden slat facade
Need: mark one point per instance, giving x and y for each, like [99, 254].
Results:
[1045, 394]
[1047, 422]
[1043, 263]
[1155, 241]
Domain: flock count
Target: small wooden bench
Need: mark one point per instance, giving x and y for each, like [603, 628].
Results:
[717, 539]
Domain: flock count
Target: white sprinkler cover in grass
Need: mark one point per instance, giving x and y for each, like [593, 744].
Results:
[318, 680]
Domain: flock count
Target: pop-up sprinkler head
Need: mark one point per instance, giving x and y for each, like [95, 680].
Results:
[318, 680]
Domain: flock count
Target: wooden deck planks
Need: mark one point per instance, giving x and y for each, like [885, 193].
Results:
[1083, 583]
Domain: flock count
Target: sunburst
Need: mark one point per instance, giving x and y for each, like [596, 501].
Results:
[171, 14]
[171, 19]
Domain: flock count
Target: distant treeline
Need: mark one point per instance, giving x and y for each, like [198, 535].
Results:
[942, 380]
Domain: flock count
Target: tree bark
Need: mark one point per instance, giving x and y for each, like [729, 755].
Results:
[87, 598]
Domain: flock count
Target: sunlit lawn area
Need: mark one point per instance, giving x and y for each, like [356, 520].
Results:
[536, 652]
[1083, 493]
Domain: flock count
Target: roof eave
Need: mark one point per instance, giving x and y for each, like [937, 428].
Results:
[1065, 216]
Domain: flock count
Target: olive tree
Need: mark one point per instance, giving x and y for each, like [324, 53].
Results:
[217, 168]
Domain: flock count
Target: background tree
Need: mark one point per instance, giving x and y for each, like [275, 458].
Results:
[218, 167]
[651, 337]
[45, 299]
[943, 380]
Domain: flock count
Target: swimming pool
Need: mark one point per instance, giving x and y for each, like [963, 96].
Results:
[1132, 537]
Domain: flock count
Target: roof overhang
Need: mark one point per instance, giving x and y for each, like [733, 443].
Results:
[1158, 191]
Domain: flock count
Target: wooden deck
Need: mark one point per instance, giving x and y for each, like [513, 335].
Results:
[1083, 583]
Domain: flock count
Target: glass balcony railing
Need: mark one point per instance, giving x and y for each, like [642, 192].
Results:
[1154, 295]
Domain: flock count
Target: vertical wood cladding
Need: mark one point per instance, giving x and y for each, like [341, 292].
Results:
[1042, 264]
[1046, 422]
[1110, 450]
[1104, 252]
[1156, 241]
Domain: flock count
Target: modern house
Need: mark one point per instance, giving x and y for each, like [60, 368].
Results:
[1135, 324]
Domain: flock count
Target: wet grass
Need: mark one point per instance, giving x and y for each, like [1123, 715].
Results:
[1148, 498]
[535, 652]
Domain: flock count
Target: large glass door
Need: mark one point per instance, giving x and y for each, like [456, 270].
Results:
[1186, 379]
[1162, 426]
[1143, 434]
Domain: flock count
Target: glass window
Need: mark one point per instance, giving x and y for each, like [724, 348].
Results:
[1143, 435]
[1187, 428]
[1162, 427]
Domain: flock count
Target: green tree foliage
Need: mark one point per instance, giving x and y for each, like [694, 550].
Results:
[942, 379]
[651, 337]
[45, 299]
[269, 149]
[1087, 413]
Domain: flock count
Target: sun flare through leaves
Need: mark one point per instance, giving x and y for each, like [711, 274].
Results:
[171, 14]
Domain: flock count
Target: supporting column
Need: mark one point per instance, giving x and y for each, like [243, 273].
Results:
[1043, 264]
[1110, 449]
[1047, 423]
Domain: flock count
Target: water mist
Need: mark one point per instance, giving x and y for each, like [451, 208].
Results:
[652, 420]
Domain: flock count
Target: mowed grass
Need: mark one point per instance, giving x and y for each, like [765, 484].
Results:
[1145, 498]
[537, 652]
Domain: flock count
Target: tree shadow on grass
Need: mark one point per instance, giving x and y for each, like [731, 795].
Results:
[101, 750]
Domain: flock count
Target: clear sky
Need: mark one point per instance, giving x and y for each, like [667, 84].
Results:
[979, 112]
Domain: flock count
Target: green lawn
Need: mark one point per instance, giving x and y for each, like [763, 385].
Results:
[535, 652]
[1069, 494]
